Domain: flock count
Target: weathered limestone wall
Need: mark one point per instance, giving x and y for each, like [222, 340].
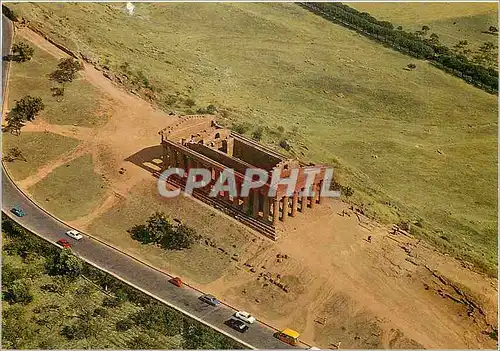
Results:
[254, 156]
[218, 156]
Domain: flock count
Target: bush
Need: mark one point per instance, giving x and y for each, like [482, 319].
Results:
[258, 133]
[124, 324]
[190, 102]
[65, 263]
[111, 302]
[100, 312]
[182, 238]
[19, 292]
[241, 128]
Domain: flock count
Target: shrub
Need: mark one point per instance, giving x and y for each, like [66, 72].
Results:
[100, 312]
[241, 128]
[183, 237]
[257, 134]
[19, 292]
[111, 302]
[190, 102]
[124, 324]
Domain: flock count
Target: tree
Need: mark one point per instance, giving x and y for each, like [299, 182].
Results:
[140, 233]
[14, 154]
[19, 292]
[434, 39]
[399, 28]
[65, 73]
[158, 226]
[493, 29]
[21, 52]
[182, 238]
[14, 123]
[28, 107]
[65, 263]
[411, 66]
[425, 29]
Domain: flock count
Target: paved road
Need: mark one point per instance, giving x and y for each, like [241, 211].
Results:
[6, 43]
[125, 267]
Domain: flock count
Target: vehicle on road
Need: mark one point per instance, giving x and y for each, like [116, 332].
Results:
[237, 325]
[18, 211]
[210, 299]
[74, 234]
[245, 317]
[313, 348]
[288, 336]
[64, 243]
[176, 281]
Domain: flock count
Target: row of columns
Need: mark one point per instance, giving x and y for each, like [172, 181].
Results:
[272, 209]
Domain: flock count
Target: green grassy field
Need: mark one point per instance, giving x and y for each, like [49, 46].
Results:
[414, 145]
[34, 147]
[451, 21]
[201, 264]
[81, 102]
[71, 190]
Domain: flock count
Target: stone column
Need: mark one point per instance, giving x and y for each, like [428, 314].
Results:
[164, 165]
[173, 155]
[265, 208]
[255, 209]
[189, 164]
[295, 199]
[313, 198]
[303, 206]
[246, 203]
[180, 157]
[319, 191]
[276, 211]
[284, 215]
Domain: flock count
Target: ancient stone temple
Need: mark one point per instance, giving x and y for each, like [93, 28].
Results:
[197, 141]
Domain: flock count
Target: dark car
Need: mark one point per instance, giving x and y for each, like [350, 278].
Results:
[237, 325]
[211, 300]
[18, 211]
[64, 243]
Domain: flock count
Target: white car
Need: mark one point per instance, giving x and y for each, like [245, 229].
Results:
[245, 317]
[74, 234]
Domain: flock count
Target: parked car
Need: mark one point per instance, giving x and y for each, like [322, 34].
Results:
[74, 234]
[176, 281]
[237, 325]
[245, 317]
[211, 300]
[64, 243]
[18, 211]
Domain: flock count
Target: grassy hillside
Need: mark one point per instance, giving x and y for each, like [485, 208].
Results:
[451, 21]
[419, 145]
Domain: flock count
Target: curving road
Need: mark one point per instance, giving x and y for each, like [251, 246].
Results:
[128, 269]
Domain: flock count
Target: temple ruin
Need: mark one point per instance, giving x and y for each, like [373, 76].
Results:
[197, 141]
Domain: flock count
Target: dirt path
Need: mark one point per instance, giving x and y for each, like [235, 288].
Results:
[46, 169]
